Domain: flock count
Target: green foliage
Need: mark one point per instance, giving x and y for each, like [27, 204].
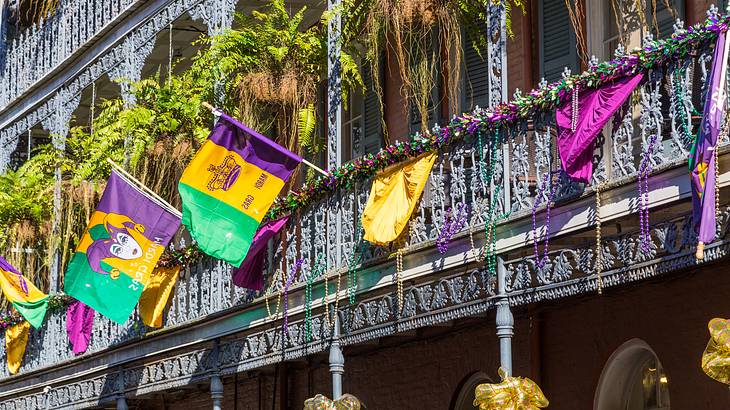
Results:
[24, 196]
[270, 68]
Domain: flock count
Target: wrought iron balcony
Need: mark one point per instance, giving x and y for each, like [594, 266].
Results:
[664, 106]
[33, 53]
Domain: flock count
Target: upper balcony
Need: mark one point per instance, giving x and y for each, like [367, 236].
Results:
[640, 167]
[29, 55]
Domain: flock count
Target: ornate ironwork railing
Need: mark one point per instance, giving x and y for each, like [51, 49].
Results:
[39, 49]
[665, 106]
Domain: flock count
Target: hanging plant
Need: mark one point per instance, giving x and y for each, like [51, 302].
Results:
[272, 68]
[425, 38]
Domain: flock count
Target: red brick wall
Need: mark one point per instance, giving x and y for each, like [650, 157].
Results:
[671, 316]
[563, 345]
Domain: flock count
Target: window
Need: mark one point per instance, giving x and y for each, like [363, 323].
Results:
[476, 74]
[557, 40]
[362, 121]
[614, 22]
[464, 399]
[633, 379]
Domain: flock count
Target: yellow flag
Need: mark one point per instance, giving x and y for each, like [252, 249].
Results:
[16, 338]
[393, 197]
[156, 294]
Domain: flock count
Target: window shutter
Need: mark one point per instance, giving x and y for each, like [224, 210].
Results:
[372, 120]
[664, 19]
[476, 74]
[557, 45]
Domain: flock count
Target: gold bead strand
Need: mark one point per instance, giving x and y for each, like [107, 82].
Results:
[599, 251]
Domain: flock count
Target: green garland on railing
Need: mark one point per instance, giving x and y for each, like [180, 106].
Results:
[464, 127]
[545, 98]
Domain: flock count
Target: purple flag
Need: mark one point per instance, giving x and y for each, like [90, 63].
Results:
[119, 250]
[250, 275]
[702, 155]
[79, 323]
[595, 108]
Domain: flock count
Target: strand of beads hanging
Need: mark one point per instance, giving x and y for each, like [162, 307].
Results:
[355, 260]
[643, 181]
[546, 181]
[574, 109]
[325, 301]
[285, 296]
[488, 251]
[452, 224]
[599, 249]
[278, 276]
[399, 280]
[678, 100]
[316, 272]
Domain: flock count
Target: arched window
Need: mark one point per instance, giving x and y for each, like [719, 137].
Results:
[465, 396]
[633, 379]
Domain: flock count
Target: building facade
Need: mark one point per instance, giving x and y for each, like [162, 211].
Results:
[414, 328]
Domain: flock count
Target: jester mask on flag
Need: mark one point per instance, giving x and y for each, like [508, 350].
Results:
[702, 155]
[230, 185]
[119, 250]
[30, 302]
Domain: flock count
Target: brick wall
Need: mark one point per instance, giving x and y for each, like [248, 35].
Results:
[563, 345]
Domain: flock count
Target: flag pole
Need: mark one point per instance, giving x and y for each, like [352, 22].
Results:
[142, 187]
[217, 113]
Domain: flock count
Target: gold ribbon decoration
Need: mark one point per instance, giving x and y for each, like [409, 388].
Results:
[393, 197]
[155, 295]
[716, 357]
[16, 338]
[513, 393]
[322, 402]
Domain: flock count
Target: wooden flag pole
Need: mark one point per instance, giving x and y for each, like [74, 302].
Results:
[217, 112]
[142, 187]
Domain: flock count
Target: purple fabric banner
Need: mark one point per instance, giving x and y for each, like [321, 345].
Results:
[595, 109]
[250, 275]
[702, 155]
[254, 148]
[79, 324]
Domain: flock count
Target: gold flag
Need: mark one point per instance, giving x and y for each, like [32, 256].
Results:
[155, 295]
[393, 197]
[16, 338]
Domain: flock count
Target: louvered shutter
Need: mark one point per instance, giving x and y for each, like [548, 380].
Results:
[557, 44]
[372, 137]
[476, 74]
[664, 19]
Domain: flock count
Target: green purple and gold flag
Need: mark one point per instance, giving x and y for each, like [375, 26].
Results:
[230, 185]
[27, 299]
[119, 250]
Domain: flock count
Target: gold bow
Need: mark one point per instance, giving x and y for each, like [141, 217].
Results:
[514, 393]
[716, 357]
[321, 402]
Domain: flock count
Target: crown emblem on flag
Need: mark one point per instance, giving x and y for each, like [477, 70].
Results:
[224, 175]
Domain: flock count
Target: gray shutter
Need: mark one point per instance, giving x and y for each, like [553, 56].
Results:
[664, 18]
[557, 45]
[476, 74]
[372, 137]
